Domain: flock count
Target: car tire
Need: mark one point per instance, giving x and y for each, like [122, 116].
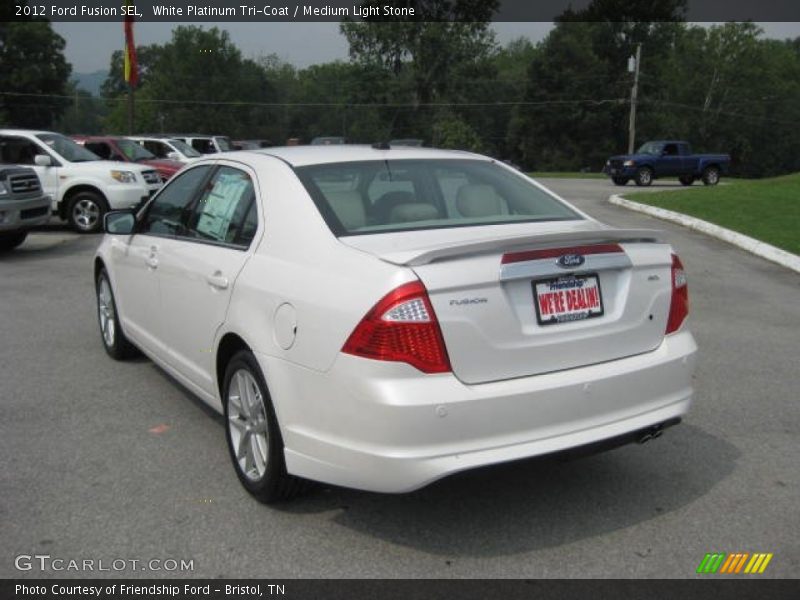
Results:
[686, 179]
[644, 176]
[9, 241]
[116, 344]
[711, 176]
[253, 435]
[85, 212]
[620, 180]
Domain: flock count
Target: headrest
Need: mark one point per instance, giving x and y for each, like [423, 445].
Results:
[478, 200]
[415, 211]
[348, 207]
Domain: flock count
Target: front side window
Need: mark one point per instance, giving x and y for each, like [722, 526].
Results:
[169, 212]
[380, 196]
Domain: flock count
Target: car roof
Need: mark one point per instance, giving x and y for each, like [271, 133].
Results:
[27, 132]
[299, 156]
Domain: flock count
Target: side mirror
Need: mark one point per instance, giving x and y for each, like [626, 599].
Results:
[173, 156]
[43, 160]
[119, 222]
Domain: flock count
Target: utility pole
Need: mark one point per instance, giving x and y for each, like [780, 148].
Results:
[634, 94]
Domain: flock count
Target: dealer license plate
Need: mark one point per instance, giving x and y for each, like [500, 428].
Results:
[567, 298]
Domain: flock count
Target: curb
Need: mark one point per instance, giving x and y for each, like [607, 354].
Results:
[751, 245]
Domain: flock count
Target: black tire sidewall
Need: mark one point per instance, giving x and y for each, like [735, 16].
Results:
[94, 197]
[266, 488]
[9, 241]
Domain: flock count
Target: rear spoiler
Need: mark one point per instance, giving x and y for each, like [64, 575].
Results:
[422, 256]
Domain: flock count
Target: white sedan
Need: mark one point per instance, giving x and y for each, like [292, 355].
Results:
[379, 318]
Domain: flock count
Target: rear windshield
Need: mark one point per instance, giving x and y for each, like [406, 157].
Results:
[357, 198]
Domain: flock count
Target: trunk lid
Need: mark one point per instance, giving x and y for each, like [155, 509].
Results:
[508, 309]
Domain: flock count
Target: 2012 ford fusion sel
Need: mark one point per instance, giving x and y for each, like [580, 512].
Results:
[379, 318]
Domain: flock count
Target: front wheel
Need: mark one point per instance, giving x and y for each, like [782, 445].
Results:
[9, 241]
[711, 176]
[620, 180]
[644, 176]
[686, 179]
[254, 438]
[85, 212]
[114, 341]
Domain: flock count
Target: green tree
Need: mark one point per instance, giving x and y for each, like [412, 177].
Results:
[34, 74]
[198, 81]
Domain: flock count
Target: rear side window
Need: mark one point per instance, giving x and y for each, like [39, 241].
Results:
[158, 149]
[102, 149]
[17, 151]
[367, 197]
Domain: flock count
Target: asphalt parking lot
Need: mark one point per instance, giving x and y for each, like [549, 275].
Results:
[107, 460]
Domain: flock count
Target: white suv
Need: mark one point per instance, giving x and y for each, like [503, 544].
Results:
[82, 187]
[167, 148]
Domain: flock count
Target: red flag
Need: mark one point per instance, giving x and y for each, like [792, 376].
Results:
[131, 66]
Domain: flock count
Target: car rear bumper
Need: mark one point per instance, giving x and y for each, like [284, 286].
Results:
[386, 427]
[24, 214]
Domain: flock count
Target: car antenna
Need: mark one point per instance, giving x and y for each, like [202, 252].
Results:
[381, 145]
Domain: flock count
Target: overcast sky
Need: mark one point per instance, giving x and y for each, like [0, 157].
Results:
[89, 45]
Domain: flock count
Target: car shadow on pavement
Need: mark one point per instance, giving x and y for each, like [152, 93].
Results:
[537, 503]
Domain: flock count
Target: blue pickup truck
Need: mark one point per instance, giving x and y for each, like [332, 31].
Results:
[667, 158]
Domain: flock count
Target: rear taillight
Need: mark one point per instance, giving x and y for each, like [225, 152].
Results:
[679, 305]
[402, 327]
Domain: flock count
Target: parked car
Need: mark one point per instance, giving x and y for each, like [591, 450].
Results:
[413, 142]
[81, 185]
[250, 144]
[23, 205]
[654, 160]
[379, 319]
[327, 141]
[167, 148]
[205, 144]
[110, 147]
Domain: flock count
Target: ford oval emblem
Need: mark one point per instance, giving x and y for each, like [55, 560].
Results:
[570, 261]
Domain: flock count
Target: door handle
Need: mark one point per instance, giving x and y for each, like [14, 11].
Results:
[217, 280]
[152, 260]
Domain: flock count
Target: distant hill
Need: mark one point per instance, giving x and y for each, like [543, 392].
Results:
[90, 82]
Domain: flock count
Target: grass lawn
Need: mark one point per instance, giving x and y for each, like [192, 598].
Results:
[765, 209]
[566, 175]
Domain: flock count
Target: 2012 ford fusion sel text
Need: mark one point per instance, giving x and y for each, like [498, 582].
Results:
[379, 318]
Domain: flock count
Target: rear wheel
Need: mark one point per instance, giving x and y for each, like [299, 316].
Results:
[114, 341]
[686, 179]
[85, 212]
[620, 180]
[644, 176]
[9, 241]
[711, 176]
[254, 438]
